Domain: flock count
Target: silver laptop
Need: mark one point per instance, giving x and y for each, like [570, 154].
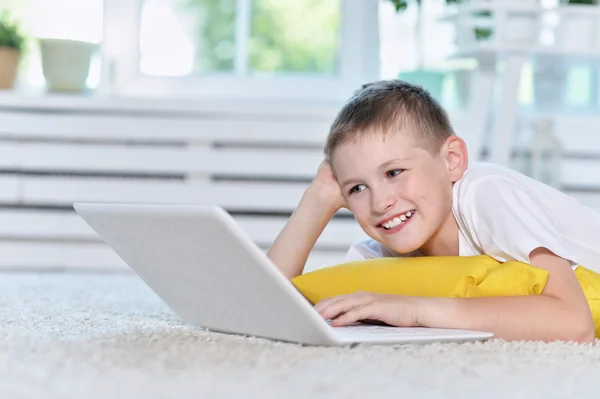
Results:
[200, 262]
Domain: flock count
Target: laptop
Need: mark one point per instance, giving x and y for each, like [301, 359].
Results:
[200, 262]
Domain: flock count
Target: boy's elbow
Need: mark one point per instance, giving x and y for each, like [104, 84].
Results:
[582, 331]
[575, 325]
[587, 335]
[577, 334]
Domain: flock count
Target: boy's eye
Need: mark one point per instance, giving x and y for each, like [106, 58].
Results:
[356, 189]
[394, 172]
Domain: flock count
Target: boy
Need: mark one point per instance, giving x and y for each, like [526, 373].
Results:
[394, 161]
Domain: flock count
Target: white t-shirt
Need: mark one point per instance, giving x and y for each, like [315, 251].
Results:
[506, 215]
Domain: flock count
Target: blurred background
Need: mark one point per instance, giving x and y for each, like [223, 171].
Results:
[192, 38]
[228, 102]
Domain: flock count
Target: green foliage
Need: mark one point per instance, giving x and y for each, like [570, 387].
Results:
[483, 33]
[582, 2]
[214, 33]
[401, 5]
[285, 36]
[10, 33]
[295, 36]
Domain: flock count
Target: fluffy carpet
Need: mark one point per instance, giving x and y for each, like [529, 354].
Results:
[109, 336]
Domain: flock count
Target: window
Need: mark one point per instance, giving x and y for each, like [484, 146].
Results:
[200, 37]
[304, 49]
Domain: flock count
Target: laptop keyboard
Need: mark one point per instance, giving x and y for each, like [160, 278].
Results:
[380, 331]
[358, 332]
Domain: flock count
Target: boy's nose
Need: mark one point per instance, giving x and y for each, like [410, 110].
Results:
[383, 203]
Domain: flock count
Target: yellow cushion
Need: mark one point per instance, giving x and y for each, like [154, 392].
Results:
[590, 283]
[442, 276]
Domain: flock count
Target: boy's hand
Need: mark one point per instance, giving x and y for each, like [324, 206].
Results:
[395, 310]
[328, 187]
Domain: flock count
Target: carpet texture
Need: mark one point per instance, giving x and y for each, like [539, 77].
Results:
[109, 336]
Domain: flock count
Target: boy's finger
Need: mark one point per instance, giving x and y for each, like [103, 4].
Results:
[342, 305]
[335, 309]
[324, 303]
[358, 313]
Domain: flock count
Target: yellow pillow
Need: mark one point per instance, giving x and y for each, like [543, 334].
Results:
[441, 276]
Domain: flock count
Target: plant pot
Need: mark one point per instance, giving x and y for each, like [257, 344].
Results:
[66, 63]
[430, 80]
[9, 64]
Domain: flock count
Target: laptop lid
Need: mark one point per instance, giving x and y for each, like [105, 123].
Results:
[206, 268]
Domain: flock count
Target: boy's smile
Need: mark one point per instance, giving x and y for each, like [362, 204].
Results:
[399, 193]
[396, 222]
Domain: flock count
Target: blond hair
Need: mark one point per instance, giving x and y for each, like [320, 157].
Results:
[391, 106]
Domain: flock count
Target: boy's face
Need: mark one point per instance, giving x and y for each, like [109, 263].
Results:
[399, 193]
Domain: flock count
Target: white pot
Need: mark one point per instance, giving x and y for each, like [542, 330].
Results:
[66, 63]
[577, 32]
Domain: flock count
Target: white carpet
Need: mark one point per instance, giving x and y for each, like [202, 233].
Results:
[109, 336]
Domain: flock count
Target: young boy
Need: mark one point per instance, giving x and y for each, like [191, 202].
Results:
[393, 160]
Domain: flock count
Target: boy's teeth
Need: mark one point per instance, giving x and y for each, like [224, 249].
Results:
[397, 220]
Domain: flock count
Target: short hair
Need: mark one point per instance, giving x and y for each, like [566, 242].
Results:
[390, 106]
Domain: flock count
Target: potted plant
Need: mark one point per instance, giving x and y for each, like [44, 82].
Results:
[12, 43]
[66, 63]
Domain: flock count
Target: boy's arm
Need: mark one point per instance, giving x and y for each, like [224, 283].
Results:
[560, 313]
[292, 246]
[514, 221]
[321, 200]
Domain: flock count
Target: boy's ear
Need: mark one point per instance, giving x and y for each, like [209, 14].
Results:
[457, 157]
